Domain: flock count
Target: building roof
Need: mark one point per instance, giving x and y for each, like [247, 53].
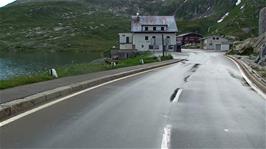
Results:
[208, 37]
[137, 23]
[190, 33]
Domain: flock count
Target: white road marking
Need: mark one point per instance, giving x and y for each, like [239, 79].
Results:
[166, 141]
[226, 130]
[177, 95]
[247, 79]
[12, 119]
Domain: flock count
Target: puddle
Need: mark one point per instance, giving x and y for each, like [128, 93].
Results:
[241, 79]
[195, 67]
[235, 76]
[186, 78]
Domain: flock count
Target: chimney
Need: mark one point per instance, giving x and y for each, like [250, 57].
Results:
[138, 17]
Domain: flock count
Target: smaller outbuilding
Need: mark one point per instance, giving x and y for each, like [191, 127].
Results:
[216, 43]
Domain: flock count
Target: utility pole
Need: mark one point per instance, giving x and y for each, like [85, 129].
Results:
[163, 44]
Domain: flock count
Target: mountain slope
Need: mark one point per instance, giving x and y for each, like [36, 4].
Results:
[242, 20]
[58, 26]
[183, 9]
[93, 25]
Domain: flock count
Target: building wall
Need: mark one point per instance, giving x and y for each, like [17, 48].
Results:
[216, 43]
[126, 40]
[142, 41]
[126, 46]
[225, 47]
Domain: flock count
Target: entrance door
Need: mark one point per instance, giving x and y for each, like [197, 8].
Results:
[127, 39]
[218, 47]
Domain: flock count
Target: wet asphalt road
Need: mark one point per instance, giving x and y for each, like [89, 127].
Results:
[216, 109]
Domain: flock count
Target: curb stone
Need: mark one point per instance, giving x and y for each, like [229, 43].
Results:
[12, 108]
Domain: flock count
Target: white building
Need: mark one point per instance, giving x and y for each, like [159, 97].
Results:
[216, 43]
[150, 33]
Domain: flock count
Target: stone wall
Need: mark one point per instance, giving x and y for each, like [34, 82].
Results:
[262, 21]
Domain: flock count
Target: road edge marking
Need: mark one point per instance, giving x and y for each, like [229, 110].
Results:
[247, 79]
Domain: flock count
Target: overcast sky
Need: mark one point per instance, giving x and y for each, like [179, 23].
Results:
[5, 2]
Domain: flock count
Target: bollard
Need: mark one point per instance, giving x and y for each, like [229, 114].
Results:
[159, 59]
[141, 61]
[53, 73]
[113, 64]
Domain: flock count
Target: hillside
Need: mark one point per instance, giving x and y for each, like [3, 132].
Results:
[57, 26]
[92, 25]
[242, 20]
[183, 9]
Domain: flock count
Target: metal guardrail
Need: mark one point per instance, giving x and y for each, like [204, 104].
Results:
[249, 72]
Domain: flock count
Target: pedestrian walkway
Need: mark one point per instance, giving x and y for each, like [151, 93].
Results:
[31, 89]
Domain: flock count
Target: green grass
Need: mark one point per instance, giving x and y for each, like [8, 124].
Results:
[77, 69]
[200, 25]
[57, 27]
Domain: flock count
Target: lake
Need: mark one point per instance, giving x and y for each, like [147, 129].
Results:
[24, 64]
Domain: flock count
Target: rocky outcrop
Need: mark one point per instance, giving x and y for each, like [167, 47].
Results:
[262, 21]
[250, 45]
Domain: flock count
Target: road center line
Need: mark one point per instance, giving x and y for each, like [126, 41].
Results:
[12, 119]
[178, 94]
[166, 141]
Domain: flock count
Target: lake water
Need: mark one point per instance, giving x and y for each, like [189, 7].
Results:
[23, 64]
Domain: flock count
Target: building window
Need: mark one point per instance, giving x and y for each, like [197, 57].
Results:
[162, 28]
[127, 39]
[142, 46]
[154, 28]
[217, 38]
[146, 37]
[171, 47]
[167, 40]
[213, 38]
[150, 47]
[146, 28]
[153, 41]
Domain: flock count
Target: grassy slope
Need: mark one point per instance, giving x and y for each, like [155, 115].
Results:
[58, 26]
